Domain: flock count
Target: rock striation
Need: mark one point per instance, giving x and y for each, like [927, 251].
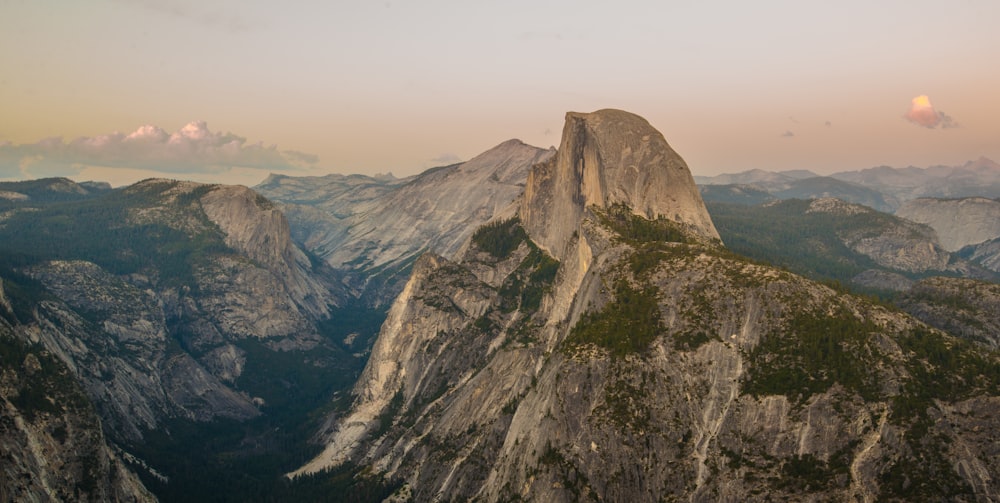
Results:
[627, 357]
[172, 293]
[609, 157]
[50, 436]
[372, 229]
[958, 222]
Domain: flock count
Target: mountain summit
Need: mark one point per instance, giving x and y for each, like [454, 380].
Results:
[602, 345]
[605, 158]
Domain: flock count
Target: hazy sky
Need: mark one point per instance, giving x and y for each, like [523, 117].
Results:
[365, 87]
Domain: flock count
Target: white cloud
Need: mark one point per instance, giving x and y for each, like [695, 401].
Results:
[194, 149]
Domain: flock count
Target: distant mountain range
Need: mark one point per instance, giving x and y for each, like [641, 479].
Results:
[883, 188]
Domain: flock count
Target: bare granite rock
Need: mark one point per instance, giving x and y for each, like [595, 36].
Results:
[958, 222]
[584, 359]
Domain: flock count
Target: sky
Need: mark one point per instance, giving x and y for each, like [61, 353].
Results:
[228, 91]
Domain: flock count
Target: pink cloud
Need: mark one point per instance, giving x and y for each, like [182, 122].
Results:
[192, 149]
[923, 113]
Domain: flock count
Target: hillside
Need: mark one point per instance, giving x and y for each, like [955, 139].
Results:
[184, 311]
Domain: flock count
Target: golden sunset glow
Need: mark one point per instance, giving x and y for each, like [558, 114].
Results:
[375, 87]
[922, 101]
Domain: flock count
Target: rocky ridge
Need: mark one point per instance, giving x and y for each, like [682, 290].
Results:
[373, 229]
[624, 356]
[160, 327]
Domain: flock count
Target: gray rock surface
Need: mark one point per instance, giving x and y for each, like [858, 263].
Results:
[962, 307]
[958, 222]
[373, 229]
[903, 246]
[148, 346]
[51, 441]
[492, 380]
[609, 157]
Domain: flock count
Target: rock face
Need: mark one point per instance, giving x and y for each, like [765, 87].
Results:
[963, 307]
[609, 157]
[958, 222]
[373, 229]
[50, 437]
[635, 359]
[163, 290]
[903, 246]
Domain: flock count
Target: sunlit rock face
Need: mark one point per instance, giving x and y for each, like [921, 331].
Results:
[372, 229]
[588, 349]
[609, 157]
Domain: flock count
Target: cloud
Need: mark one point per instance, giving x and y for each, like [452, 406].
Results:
[446, 158]
[192, 149]
[923, 113]
[828, 124]
[787, 134]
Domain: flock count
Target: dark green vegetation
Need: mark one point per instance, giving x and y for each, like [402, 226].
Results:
[785, 235]
[501, 237]
[628, 323]
[811, 353]
[48, 190]
[168, 239]
[635, 229]
[44, 384]
[524, 288]
[100, 230]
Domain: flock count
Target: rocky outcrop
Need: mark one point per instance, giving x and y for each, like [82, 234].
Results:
[159, 321]
[958, 222]
[51, 441]
[373, 229]
[965, 308]
[896, 244]
[260, 231]
[609, 157]
[635, 359]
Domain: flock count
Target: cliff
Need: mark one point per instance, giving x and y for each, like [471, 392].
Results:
[602, 344]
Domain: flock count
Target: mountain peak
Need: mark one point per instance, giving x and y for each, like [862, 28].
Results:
[608, 157]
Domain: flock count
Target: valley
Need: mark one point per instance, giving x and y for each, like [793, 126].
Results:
[533, 324]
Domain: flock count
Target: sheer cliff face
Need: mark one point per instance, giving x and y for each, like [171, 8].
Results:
[616, 357]
[609, 157]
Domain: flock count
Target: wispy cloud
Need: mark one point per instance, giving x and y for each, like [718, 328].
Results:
[788, 134]
[923, 113]
[192, 149]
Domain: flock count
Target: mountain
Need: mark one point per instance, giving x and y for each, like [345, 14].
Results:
[746, 195]
[47, 190]
[978, 178]
[50, 436]
[958, 222]
[966, 308]
[883, 188]
[202, 335]
[830, 239]
[602, 344]
[758, 177]
[373, 229]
